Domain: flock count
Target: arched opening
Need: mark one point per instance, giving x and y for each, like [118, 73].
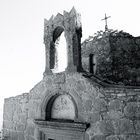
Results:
[58, 51]
[61, 107]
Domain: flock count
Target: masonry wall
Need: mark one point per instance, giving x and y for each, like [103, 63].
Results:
[113, 113]
[15, 117]
[125, 50]
[100, 47]
[117, 55]
[119, 115]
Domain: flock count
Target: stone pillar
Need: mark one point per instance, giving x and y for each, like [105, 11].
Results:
[73, 34]
[47, 42]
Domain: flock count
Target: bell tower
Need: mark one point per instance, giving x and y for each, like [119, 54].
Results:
[70, 24]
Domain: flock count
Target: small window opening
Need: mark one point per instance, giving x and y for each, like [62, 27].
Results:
[92, 63]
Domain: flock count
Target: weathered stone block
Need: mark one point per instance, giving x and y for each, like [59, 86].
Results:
[80, 86]
[94, 130]
[100, 105]
[98, 137]
[106, 127]
[138, 111]
[131, 98]
[113, 138]
[23, 118]
[8, 111]
[13, 135]
[137, 127]
[59, 78]
[20, 127]
[88, 105]
[133, 137]
[6, 132]
[122, 137]
[8, 116]
[131, 110]
[123, 126]
[36, 92]
[32, 114]
[48, 81]
[118, 137]
[15, 116]
[17, 109]
[25, 98]
[21, 136]
[115, 105]
[8, 124]
[30, 130]
[33, 108]
[115, 114]
[94, 117]
[29, 138]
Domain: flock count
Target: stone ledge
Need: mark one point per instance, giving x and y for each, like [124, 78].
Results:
[65, 125]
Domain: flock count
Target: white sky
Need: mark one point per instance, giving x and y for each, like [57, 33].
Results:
[22, 52]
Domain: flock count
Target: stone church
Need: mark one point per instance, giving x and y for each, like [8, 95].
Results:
[89, 100]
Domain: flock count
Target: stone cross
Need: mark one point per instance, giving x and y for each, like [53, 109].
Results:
[106, 27]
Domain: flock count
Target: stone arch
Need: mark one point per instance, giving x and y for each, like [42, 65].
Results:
[57, 32]
[48, 102]
[70, 106]
[57, 38]
[71, 25]
[64, 127]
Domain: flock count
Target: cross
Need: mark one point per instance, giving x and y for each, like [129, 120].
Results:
[106, 27]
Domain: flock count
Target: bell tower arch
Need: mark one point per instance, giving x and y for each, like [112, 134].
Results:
[70, 24]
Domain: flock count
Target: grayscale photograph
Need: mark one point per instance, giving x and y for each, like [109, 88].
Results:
[70, 70]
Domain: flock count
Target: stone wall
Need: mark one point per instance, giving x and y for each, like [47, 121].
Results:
[100, 47]
[119, 117]
[117, 54]
[112, 112]
[125, 50]
[15, 117]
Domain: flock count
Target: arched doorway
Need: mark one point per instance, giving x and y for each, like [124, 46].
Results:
[60, 124]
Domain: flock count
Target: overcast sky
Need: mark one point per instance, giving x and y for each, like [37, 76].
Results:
[22, 52]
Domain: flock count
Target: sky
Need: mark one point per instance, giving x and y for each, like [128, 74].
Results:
[22, 52]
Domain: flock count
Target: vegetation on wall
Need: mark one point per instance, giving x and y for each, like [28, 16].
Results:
[125, 53]
[118, 59]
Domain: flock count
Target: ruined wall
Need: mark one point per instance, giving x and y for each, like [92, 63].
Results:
[100, 47]
[118, 59]
[125, 50]
[19, 114]
[113, 113]
[119, 115]
[15, 117]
